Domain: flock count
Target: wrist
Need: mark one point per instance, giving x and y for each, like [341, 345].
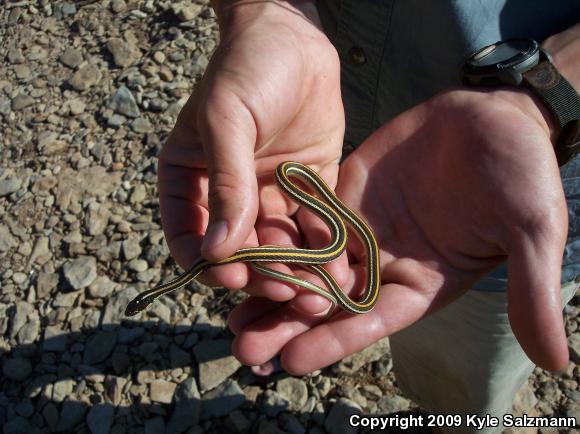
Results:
[232, 14]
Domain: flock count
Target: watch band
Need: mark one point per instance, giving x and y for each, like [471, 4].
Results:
[563, 100]
[564, 103]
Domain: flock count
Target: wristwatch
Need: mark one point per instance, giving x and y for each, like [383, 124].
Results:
[522, 62]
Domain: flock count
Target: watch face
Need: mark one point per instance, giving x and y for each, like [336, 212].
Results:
[507, 52]
[501, 63]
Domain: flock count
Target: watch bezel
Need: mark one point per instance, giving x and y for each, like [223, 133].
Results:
[507, 72]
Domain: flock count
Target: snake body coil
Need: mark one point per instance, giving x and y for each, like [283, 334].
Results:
[334, 213]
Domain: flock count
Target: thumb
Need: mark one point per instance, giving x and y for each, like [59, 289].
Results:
[228, 133]
[534, 300]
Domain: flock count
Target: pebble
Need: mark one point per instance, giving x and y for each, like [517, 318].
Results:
[7, 241]
[17, 368]
[100, 418]
[131, 248]
[124, 53]
[118, 6]
[154, 425]
[9, 185]
[55, 339]
[162, 391]
[222, 400]
[141, 126]
[22, 101]
[86, 77]
[80, 272]
[574, 347]
[72, 413]
[294, 391]
[45, 284]
[216, 362]
[187, 407]
[99, 347]
[123, 102]
[337, 421]
[71, 57]
[62, 389]
[77, 106]
[273, 403]
[101, 287]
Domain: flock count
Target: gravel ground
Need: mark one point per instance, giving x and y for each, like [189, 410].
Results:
[89, 90]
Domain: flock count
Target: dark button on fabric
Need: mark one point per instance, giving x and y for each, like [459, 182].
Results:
[357, 56]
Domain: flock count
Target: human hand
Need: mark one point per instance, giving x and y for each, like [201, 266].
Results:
[452, 188]
[270, 93]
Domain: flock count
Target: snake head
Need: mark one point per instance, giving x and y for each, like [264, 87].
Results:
[135, 306]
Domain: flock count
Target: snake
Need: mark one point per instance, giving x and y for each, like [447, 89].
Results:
[336, 215]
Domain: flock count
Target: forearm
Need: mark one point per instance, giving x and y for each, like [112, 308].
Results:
[565, 50]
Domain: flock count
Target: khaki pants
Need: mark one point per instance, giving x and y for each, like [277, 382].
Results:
[464, 359]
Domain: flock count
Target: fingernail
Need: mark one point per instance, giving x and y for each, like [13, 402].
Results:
[215, 235]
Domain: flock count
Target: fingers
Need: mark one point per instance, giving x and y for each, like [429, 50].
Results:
[228, 134]
[534, 301]
[262, 333]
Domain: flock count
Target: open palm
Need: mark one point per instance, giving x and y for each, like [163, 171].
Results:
[452, 188]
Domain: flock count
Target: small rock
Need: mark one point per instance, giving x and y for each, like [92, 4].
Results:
[21, 101]
[138, 265]
[55, 339]
[574, 347]
[100, 418]
[118, 6]
[25, 408]
[138, 194]
[29, 333]
[7, 241]
[294, 390]
[77, 106]
[185, 11]
[23, 312]
[99, 347]
[154, 425]
[337, 421]
[72, 414]
[162, 391]
[15, 55]
[392, 404]
[187, 407]
[131, 248]
[114, 387]
[141, 126]
[45, 283]
[17, 369]
[237, 421]
[124, 103]
[9, 185]
[273, 403]
[124, 53]
[216, 362]
[101, 287]
[50, 414]
[222, 400]
[81, 272]
[40, 250]
[71, 57]
[85, 78]
[97, 218]
[62, 389]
